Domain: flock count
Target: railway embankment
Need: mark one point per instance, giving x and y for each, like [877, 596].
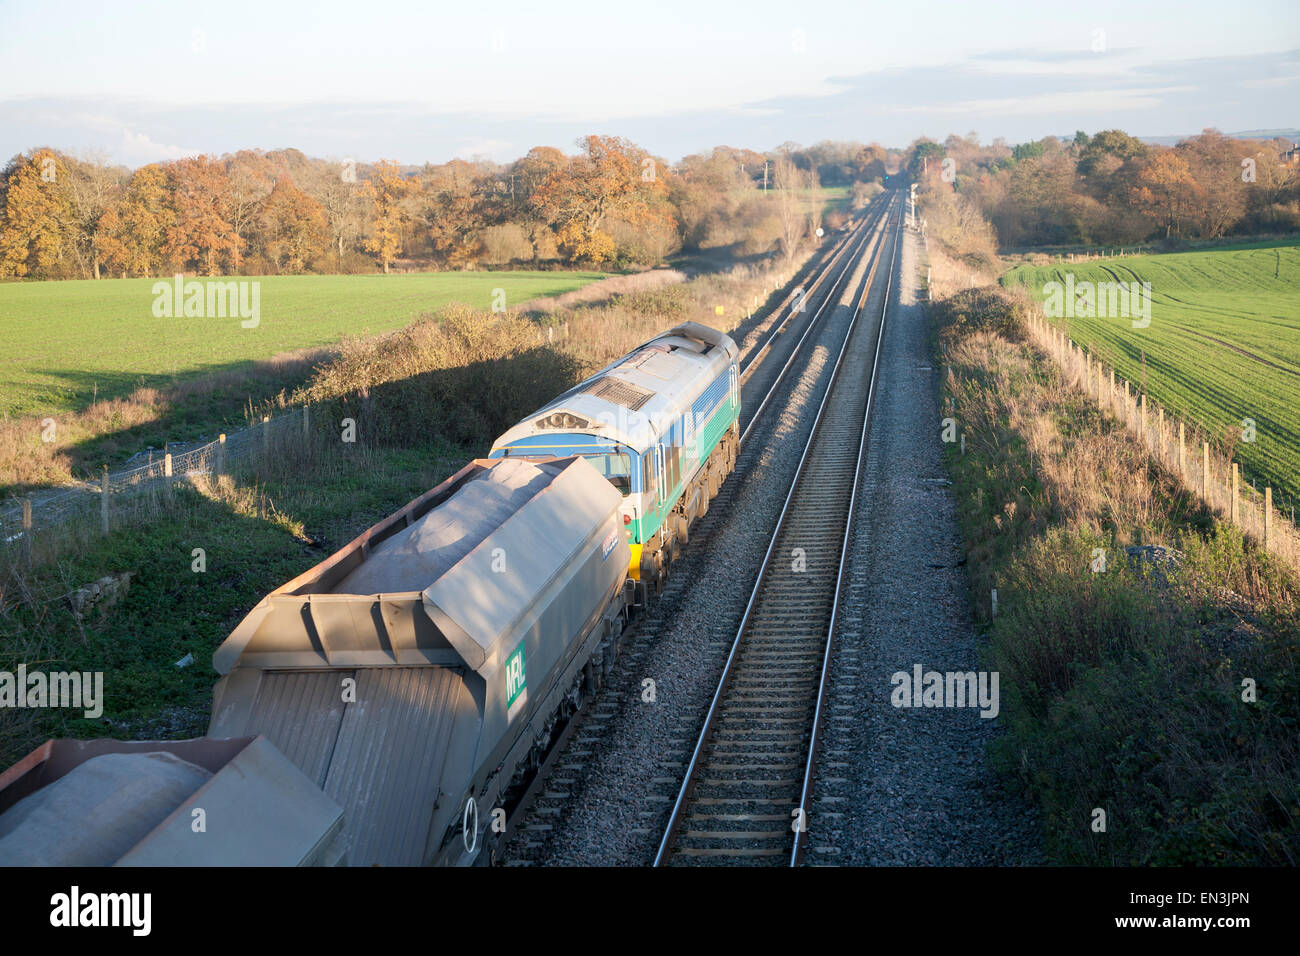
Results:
[1147, 652]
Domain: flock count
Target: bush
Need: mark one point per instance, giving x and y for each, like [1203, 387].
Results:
[462, 375]
[983, 310]
[505, 244]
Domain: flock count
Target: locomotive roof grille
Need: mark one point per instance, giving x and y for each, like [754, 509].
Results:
[631, 397]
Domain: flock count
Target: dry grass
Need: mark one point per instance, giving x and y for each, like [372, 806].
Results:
[1122, 678]
[105, 429]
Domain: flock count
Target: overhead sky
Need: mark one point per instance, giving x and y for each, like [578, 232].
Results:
[426, 82]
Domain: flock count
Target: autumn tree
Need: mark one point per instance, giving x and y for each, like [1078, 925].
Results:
[133, 232]
[36, 214]
[454, 209]
[612, 176]
[526, 177]
[386, 190]
[291, 228]
[870, 163]
[92, 188]
[200, 236]
[1214, 161]
[342, 197]
[249, 181]
[1167, 192]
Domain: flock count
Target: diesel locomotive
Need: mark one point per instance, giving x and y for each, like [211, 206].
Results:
[661, 424]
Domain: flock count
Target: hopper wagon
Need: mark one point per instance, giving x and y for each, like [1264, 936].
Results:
[417, 675]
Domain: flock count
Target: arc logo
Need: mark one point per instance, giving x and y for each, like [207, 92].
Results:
[516, 683]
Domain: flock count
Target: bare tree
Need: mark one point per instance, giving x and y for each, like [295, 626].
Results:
[791, 206]
[92, 187]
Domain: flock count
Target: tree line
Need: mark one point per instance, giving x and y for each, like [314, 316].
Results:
[281, 212]
[1112, 189]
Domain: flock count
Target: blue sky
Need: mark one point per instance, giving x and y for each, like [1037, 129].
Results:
[417, 82]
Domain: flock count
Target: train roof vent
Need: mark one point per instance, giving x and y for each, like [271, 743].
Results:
[619, 392]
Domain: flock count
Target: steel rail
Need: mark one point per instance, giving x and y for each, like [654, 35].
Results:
[756, 356]
[806, 791]
[689, 778]
[812, 324]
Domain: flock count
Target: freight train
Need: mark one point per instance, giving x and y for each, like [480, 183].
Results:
[403, 692]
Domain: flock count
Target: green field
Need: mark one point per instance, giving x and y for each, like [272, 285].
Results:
[62, 341]
[1223, 344]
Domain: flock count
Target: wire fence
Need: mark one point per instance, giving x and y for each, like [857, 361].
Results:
[116, 493]
[1184, 451]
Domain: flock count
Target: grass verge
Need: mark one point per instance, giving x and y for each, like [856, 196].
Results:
[1148, 654]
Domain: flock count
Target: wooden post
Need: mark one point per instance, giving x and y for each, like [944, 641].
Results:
[1268, 517]
[1144, 418]
[1205, 471]
[221, 453]
[266, 436]
[104, 491]
[995, 603]
[27, 530]
[306, 422]
[1110, 390]
[1182, 452]
[167, 465]
[1236, 516]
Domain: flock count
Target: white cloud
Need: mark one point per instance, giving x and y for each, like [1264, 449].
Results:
[1094, 101]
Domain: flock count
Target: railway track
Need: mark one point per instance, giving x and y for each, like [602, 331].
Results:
[744, 796]
[765, 366]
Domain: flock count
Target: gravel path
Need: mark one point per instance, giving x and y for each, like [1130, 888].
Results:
[897, 785]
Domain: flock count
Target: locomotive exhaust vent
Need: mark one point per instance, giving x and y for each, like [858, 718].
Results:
[617, 392]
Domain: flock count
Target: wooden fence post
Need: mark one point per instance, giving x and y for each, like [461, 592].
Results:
[1182, 452]
[1236, 516]
[104, 491]
[221, 453]
[306, 422]
[1144, 419]
[27, 530]
[1205, 471]
[1268, 517]
[167, 465]
[266, 437]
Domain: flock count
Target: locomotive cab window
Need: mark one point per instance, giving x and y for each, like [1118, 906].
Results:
[617, 469]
